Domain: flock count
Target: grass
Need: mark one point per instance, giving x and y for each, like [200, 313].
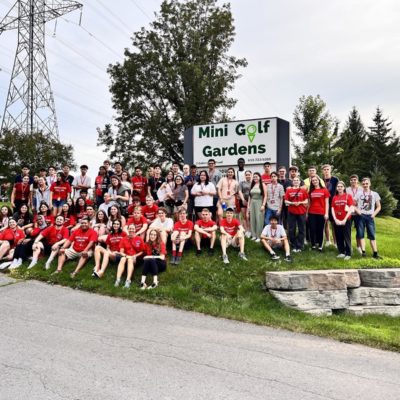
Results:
[236, 291]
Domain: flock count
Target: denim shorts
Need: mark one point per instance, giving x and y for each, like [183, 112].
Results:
[365, 222]
[58, 203]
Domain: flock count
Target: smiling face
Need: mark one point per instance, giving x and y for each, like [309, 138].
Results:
[153, 235]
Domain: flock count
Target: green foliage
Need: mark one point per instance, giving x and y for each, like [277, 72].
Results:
[317, 131]
[379, 184]
[36, 150]
[178, 75]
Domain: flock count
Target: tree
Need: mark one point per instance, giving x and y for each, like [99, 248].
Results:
[178, 75]
[379, 184]
[350, 144]
[36, 150]
[317, 131]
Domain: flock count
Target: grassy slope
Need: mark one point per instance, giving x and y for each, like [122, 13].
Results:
[237, 291]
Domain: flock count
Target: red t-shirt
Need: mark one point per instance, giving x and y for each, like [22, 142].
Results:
[22, 191]
[150, 213]
[132, 246]
[48, 218]
[82, 238]
[201, 224]
[80, 214]
[137, 222]
[12, 236]
[114, 240]
[266, 178]
[139, 184]
[295, 195]
[339, 203]
[69, 221]
[185, 228]
[54, 235]
[317, 201]
[230, 228]
[149, 249]
[60, 190]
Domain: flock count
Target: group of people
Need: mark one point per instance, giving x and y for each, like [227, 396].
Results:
[132, 220]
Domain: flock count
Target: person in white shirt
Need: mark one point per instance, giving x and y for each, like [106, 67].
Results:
[162, 224]
[203, 192]
[81, 181]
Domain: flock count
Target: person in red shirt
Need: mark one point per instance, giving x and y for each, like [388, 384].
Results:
[112, 252]
[139, 221]
[139, 185]
[21, 194]
[101, 184]
[181, 236]
[79, 245]
[266, 176]
[155, 259]
[9, 239]
[150, 210]
[296, 199]
[131, 248]
[205, 232]
[232, 234]
[68, 214]
[59, 192]
[54, 237]
[318, 212]
[342, 207]
[44, 210]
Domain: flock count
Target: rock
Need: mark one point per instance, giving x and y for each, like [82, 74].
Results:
[380, 278]
[313, 299]
[393, 311]
[313, 280]
[367, 296]
[319, 311]
[5, 280]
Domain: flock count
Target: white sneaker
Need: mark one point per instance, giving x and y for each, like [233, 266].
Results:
[248, 234]
[257, 240]
[347, 258]
[243, 256]
[32, 264]
[47, 266]
[359, 250]
[5, 265]
[341, 256]
[225, 259]
[16, 263]
[327, 243]
[253, 238]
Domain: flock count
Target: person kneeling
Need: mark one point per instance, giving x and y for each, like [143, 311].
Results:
[181, 236]
[232, 234]
[131, 248]
[154, 261]
[79, 245]
[205, 232]
[273, 237]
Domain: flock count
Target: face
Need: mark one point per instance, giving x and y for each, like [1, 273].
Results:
[182, 216]
[24, 209]
[274, 178]
[170, 176]
[102, 171]
[186, 169]
[65, 207]
[84, 225]
[267, 169]
[83, 171]
[179, 180]
[273, 222]
[25, 179]
[12, 224]
[107, 197]
[366, 184]
[81, 202]
[100, 215]
[153, 235]
[193, 171]
[25, 171]
[161, 214]
[113, 210]
[106, 165]
[90, 210]
[4, 210]
[150, 171]
[282, 173]
[205, 215]
[35, 179]
[131, 230]
[203, 177]
[137, 214]
[116, 225]
[66, 170]
[157, 170]
[353, 181]
[175, 168]
[124, 176]
[248, 176]
[241, 163]
[138, 172]
[296, 181]
[256, 178]
[312, 172]
[211, 164]
[340, 188]
[230, 173]
[149, 201]
[293, 173]
[118, 167]
[51, 171]
[327, 170]
[315, 181]
[229, 215]
[43, 208]
[40, 219]
[59, 220]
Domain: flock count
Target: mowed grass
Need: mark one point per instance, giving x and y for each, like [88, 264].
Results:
[237, 291]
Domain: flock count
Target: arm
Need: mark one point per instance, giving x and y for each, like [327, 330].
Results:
[13, 197]
[378, 208]
[186, 196]
[326, 208]
[144, 228]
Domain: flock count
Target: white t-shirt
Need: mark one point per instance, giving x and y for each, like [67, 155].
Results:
[366, 201]
[353, 193]
[278, 233]
[79, 180]
[206, 200]
[168, 224]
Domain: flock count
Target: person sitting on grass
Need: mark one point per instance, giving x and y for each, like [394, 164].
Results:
[131, 248]
[149, 211]
[79, 245]
[162, 224]
[154, 261]
[139, 221]
[113, 242]
[274, 237]
[181, 236]
[232, 234]
[205, 232]
[9, 239]
[54, 237]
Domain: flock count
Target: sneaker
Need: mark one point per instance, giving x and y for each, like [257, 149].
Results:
[257, 240]
[32, 264]
[142, 286]
[153, 286]
[210, 251]
[16, 263]
[347, 258]
[327, 243]
[254, 238]
[288, 259]
[72, 275]
[5, 265]
[47, 266]
[314, 248]
[341, 256]
[248, 234]
[320, 249]
[96, 275]
[117, 282]
[225, 259]
[377, 257]
[178, 260]
[173, 259]
[127, 284]
[198, 253]
[274, 257]
[359, 249]
[295, 251]
[243, 256]
[364, 254]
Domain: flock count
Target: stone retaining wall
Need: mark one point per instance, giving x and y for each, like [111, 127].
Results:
[324, 292]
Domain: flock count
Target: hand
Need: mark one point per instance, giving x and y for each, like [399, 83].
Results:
[208, 235]
[62, 250]
[54, 247]
[84, 254]
[326, 216]
[262, 208]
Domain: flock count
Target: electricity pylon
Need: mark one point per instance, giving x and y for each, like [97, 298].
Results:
[30, 102]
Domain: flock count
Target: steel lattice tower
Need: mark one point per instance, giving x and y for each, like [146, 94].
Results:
[30, 103]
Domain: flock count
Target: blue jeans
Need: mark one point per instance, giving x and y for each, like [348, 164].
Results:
[365, 222]
[270, 213]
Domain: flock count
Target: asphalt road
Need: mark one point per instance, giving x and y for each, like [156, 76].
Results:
[58, 343]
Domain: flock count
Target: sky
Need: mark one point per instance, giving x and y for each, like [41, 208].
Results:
[347, 51]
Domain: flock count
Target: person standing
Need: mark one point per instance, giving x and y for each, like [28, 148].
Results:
[227, 189]
[256, 206]
[59, 192]
[190, 181]
[52, 176]
[330, 184]
[214, 176]
[244, 194]
[341, 208]
[368, 207]
[102, 182]
[266, 176]
[155, 182]
[24, 172]
[68, 178]
[21, 194]
[81, 181]
[275, 195]
[354, 189]
[240, 173]
[139, 185]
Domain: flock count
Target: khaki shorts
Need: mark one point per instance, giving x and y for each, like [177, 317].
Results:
[232, 241]
[275, 245]
[71, 254]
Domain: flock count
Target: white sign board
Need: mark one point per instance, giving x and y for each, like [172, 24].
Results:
[254, 140]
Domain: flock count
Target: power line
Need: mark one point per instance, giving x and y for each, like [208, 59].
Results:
[114, 15]
[141, 9]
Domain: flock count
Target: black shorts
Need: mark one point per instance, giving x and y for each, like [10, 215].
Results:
[206, 242]
[47, 249]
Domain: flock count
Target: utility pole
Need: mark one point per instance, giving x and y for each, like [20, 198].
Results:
[30, 102]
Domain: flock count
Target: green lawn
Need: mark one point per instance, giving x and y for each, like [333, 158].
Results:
[237, 291]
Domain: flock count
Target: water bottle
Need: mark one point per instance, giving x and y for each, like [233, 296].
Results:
[224, 207]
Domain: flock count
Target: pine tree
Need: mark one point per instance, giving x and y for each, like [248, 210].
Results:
[379, 185]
